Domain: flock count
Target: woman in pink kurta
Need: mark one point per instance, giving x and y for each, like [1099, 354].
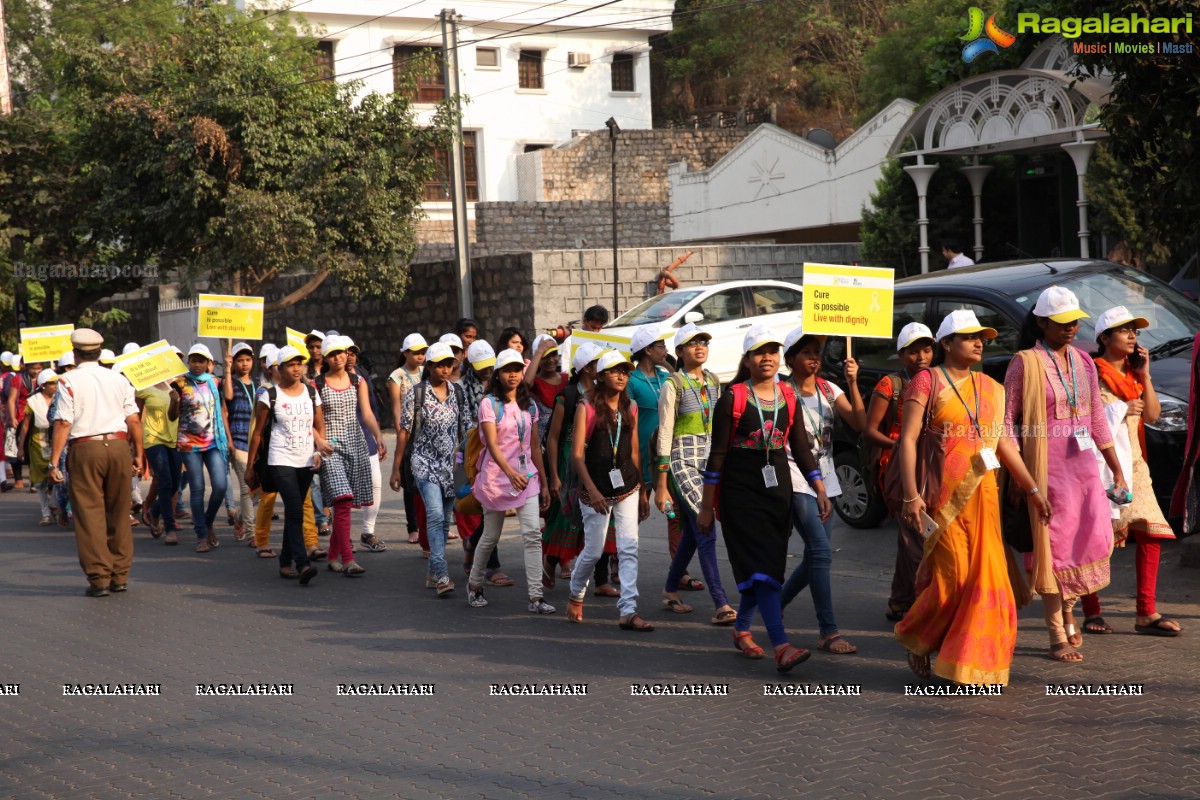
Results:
[1074, 428]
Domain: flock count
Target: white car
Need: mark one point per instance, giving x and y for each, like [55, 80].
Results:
[724, 310]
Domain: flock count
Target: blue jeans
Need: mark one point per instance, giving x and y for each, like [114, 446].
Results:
[814, 568]
[691, 541]
[439, 516]
[164, 463]
[218, 478]
[319, 515]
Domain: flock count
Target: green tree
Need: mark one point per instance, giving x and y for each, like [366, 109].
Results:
[203, 140]
[1148, 182]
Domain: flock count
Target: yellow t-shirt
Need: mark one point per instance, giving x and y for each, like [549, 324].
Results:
[157, 428]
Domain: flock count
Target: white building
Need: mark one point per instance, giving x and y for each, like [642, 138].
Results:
[780, 186]
[529, 85]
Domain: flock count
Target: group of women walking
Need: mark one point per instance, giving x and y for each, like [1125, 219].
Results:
[999, 491]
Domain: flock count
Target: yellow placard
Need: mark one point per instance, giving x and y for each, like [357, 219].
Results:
[45, 344]
[296, 339]
[606, 340]
[225, 316]
[151, 364]
[848, 301]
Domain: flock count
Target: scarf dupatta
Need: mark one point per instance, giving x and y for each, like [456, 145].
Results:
[1032, 438]
[1126, 387]
[1179, 496]
[218, 418]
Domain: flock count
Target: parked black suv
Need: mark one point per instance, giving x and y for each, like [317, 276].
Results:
[1001, 295]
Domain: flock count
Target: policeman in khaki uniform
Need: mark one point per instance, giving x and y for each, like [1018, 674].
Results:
[98, 414]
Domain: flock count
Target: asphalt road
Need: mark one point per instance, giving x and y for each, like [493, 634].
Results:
[225, 618]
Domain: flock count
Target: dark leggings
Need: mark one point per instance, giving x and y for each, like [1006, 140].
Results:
[767, 600]
[292, 485]
[410, 510]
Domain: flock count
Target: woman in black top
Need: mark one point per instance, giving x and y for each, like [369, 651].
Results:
[747, 464]
[605, 455]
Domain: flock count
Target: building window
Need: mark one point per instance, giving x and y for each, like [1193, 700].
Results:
[438, 189]
[529, 69]
[324, 60]
[622, 72]
[487, 57]
[424, 64]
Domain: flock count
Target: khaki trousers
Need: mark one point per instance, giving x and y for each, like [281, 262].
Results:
[101, 472]
[262, 521]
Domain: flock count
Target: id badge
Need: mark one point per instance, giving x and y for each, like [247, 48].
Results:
[1084, 440]
[826, 465]
[521, 463]
[769, 479]
[990, 461]
[614, 477]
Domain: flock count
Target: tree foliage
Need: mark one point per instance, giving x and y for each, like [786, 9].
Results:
[202, 140]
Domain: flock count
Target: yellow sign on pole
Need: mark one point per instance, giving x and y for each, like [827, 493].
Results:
[45, 344]
[151, 364]
[296, 339]
[226, 316]
[608, 341]
[848, 301]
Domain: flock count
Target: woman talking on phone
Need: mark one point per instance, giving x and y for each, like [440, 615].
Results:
[953, 435]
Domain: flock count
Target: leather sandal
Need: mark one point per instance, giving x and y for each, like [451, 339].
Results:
[574, 610]
[743, 642]
[790, 656]
[635, 623]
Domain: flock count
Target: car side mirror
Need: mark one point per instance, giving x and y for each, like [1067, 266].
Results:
[691, 317]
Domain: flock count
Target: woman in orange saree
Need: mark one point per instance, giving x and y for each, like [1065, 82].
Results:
[965, 610]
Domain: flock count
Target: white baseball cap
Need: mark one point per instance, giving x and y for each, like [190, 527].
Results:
[335, 344]
[647, 335]
[45, 376]
[688, 332]
[545, 337]
[197, 349]
[314, 334]
[912, 332]
[452, 340]
[6, 357]
[757, 336]
[795, 335]
[266, 350]
[285, 354]
[1118, 318]
[129, 348]
[613, 359]
[239, 347]
[585, 354]
[106, 357]
[481, 355]
[963, 321]
[1059, 304]
[439, 351]
[508, 358]
[414, 342]
[16, 361]
[68, 359]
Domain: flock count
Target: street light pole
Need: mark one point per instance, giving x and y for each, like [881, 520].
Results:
[613, 130]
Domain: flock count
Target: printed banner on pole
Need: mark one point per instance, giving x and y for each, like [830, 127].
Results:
[296, 339]
[226, 316]
[45, 344]
[151, 364]
[848, 301]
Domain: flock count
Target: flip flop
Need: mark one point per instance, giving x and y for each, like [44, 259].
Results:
[827, 645]
[1096, 625]
[266, 552]
[677, 606]
[635, 623]
[498, 579]
[690, 584]
[1155, 628]
[1063, 652]
[726, 617]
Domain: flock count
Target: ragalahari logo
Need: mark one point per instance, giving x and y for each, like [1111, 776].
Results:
[983, 37]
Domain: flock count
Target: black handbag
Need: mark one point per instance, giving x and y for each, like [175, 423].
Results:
[260, 468]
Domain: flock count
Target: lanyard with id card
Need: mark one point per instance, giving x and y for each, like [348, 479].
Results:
[986, 454]
[614, 474]
[770, 480]
[1083, 438]
[522, 461]
[818, 430]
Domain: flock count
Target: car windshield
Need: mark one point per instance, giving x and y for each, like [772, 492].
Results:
[1173, 319]
[657, 309]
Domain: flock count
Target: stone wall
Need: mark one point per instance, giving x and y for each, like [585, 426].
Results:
[523, 227]
[582, 168]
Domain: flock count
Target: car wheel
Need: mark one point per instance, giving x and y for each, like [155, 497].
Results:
[857, 507]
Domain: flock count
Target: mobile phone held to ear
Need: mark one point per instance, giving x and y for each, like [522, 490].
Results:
[928, 526]
[1136, 360]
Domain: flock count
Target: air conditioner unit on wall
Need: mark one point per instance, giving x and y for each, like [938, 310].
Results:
[579, 60]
